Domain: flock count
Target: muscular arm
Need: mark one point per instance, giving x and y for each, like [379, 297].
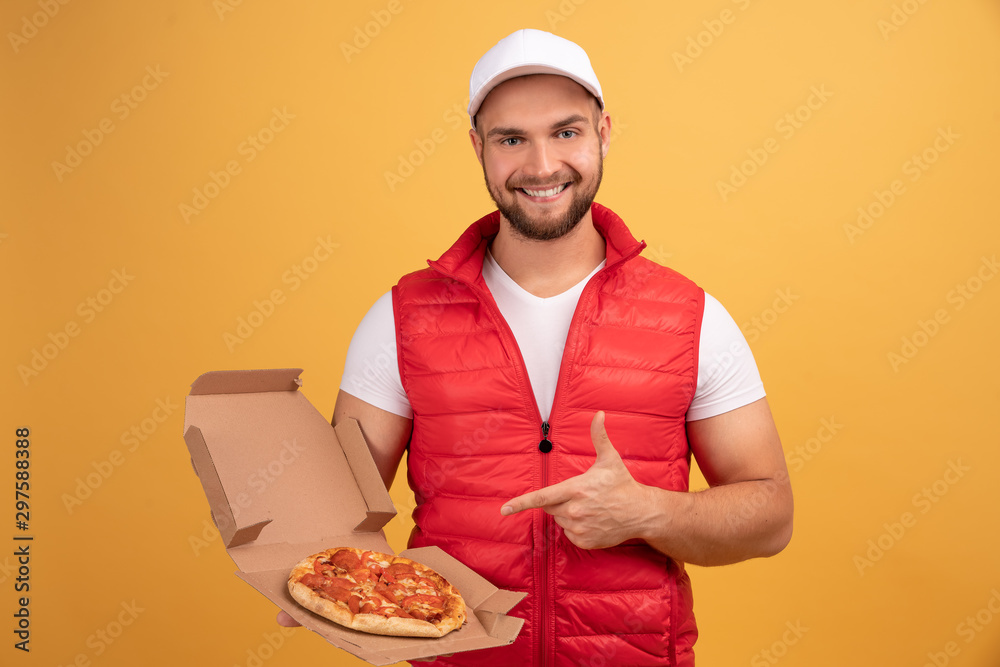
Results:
[387, 434]
[746, 512]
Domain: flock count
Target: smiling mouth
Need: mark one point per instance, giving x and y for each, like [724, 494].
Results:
[550, 192]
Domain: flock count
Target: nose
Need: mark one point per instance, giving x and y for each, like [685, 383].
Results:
[542, 161]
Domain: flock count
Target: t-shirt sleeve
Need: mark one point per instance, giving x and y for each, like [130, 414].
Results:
[371, 371]
[727, 373]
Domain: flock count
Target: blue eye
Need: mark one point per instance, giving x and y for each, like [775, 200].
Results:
[567, 134]
[509, 141]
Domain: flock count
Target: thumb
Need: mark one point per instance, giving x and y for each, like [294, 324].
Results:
[599, 436]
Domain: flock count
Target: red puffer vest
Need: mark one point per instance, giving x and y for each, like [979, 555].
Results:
[479, 440]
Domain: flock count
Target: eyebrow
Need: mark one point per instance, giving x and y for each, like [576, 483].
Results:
[510, 131]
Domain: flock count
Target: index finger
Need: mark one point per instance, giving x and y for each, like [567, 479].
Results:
[542, 498]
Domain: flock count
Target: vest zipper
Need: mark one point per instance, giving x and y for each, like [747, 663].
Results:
[548, 539]
[548, 524]
[546, 533]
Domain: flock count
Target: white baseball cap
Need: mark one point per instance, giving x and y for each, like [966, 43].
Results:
[530, 52]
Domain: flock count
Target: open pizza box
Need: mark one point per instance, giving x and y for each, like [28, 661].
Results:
[282, 483]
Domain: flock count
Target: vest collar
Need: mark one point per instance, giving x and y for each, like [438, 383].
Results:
[463, 261]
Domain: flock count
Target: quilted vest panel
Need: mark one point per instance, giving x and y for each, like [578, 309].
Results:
[632, 351]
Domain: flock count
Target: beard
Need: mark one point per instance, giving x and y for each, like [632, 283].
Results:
[540, 229]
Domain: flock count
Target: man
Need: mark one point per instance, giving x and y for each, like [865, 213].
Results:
[549, 385]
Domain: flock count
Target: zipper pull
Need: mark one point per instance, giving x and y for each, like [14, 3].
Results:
[545, 446]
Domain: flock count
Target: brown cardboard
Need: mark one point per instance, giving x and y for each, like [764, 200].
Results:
[267, 460]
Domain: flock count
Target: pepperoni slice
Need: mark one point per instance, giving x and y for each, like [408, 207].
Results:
[431, 600]
[393, 572]
[362, 575]
[392, 592]
[371, 604]
[337, 592]
[347, 560]
[339, 582]
[416, 581]
[313, 580]
[370, 561]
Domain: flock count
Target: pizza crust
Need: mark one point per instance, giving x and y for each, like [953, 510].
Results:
[453, 613]
[395, 627]
[314, 603]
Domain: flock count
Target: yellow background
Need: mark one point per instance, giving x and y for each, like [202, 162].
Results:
[895, 77]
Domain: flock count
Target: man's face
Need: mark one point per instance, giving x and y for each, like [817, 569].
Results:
[541, 141]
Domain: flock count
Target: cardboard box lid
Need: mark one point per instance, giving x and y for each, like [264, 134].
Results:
[282, 483]
[276, 465]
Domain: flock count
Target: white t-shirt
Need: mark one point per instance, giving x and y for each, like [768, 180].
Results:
[727, 373]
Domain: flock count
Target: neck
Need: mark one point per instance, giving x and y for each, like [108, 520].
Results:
[548, 268]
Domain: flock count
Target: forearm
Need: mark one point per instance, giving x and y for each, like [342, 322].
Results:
[718, 526]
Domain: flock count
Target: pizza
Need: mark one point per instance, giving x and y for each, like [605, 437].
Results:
[377, 593]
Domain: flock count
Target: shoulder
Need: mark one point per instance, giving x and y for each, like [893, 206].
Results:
[644, 278]
[428, 286]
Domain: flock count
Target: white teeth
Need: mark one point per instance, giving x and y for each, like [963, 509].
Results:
[545, 193]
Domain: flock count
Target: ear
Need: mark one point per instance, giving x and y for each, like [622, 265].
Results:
[477, 145]
[604, 129]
